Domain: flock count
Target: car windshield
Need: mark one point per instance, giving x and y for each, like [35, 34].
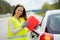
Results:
[53, 24]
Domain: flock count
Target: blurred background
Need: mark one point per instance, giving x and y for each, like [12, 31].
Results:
[34, 7]
[39, 7]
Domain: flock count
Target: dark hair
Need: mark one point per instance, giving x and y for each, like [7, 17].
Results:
[23, 14]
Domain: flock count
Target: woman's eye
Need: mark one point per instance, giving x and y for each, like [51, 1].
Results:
[18, 10]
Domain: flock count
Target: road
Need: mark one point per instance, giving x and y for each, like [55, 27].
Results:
[3, 28]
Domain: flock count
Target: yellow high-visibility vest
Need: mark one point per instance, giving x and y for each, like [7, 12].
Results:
[16, 26]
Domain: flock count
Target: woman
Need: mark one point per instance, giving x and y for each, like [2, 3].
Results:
[15, 31]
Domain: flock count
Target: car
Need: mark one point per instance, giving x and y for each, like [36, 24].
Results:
[49, 28]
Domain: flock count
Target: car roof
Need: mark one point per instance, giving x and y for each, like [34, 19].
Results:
[50, 12]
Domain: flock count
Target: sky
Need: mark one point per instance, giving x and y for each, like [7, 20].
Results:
[30, 4]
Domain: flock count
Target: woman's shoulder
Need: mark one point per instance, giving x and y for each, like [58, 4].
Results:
[10, 18]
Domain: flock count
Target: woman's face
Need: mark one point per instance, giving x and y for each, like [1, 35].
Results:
[19, 11]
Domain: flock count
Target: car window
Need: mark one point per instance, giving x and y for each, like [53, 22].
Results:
[53, 24]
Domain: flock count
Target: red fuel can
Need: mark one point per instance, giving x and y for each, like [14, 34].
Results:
[33, 22]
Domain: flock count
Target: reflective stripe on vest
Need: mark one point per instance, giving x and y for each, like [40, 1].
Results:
[21, 36]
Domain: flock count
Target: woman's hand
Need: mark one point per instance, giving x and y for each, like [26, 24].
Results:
[25, 24]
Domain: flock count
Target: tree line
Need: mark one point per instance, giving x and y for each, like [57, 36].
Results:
[5, 7]
[46, 6]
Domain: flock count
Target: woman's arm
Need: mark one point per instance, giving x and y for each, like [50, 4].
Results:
[12, 28]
